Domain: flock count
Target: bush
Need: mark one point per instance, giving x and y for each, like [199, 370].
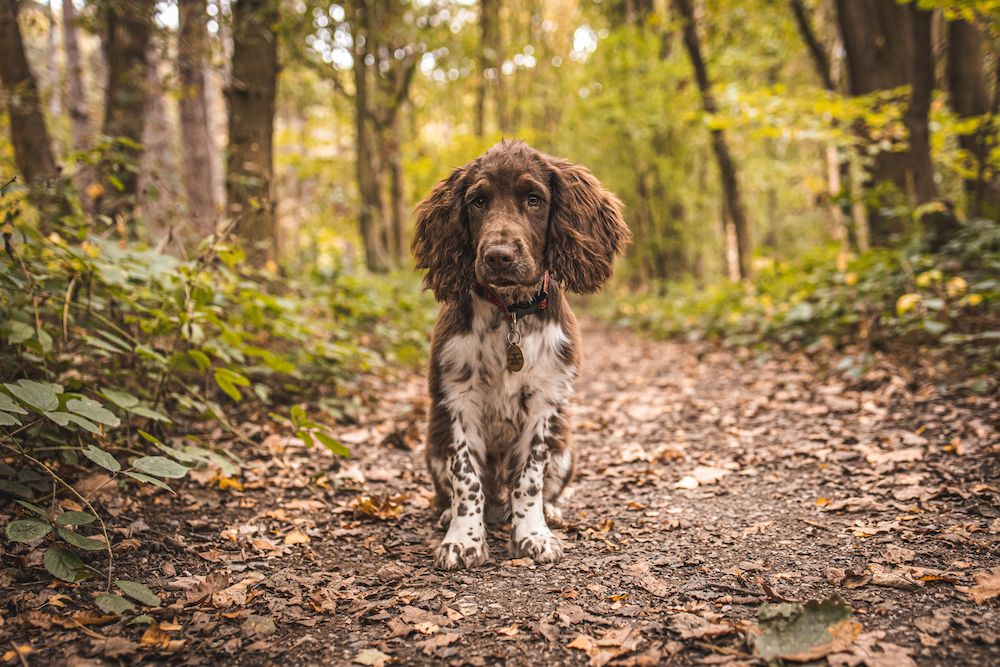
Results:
[881, 298]
[108, 348]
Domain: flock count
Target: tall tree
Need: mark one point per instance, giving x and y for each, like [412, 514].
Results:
[128, 28]
[252, 95]
[371, 214]
[76, 98]
[968, 95]
[28, 133]
[193, 53]
[384, 65]
[732, 200]
[918, 110]
[878, 43]
[490, 83]
[840, 179]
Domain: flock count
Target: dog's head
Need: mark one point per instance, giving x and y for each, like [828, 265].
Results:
[511, 214]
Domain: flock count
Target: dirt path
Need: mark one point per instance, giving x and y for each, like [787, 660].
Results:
[706, 488]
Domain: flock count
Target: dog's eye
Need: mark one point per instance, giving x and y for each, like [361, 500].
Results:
[479, 202]
[534, 200]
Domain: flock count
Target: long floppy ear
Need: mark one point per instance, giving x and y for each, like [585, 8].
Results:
[586, 229]
[441, 240]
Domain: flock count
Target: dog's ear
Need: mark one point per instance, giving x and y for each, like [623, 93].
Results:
[586, 229]
[441, 240]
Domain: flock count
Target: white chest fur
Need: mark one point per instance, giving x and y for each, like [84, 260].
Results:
[491, 399]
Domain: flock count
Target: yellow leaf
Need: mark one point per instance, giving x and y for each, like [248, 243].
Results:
[296, 537]
[956, 286]
[907, 302]
[229, 483]
[850, 278]
[95, 190]
[510, 630]
[822, 502]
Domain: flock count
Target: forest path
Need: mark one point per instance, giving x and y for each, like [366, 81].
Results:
[706, 487]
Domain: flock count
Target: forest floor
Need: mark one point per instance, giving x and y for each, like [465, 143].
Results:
[710, 483]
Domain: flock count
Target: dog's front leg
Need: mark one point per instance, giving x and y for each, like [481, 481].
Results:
[531, 535]
[465, 543]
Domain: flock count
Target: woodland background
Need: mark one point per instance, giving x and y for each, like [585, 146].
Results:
[206, 215]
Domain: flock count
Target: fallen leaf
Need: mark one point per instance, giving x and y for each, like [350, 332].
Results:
[987, 586]
[296, 537]
[371, 656]
[509, 631]
[382, 507]
[804, 632]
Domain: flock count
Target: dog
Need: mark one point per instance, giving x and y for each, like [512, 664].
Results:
[502, 240]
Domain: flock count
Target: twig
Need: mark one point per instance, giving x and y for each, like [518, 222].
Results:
[104, 528]
[772, 596]
[6, 185]
[17, 651]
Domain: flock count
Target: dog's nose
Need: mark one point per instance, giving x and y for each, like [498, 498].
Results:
[499, 257]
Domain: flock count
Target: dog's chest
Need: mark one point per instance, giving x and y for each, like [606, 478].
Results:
[479, 385]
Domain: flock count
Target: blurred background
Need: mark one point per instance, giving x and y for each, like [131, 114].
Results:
[792, 166]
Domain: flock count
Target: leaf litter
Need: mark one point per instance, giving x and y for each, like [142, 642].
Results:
[724, 504]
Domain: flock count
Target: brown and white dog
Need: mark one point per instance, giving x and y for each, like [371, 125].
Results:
[502, 238]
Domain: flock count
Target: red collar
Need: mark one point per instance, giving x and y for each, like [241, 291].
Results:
[516, 311]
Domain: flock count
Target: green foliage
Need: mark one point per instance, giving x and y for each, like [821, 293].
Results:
[949, 299]
[110, 350]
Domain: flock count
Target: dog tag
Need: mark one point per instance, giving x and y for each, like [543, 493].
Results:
[515, 358]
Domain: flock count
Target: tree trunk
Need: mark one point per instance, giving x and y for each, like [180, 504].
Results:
[196, 139]
[918, 110]
[839, 180]
[371, 210]
[397, 189]
[250, 164]
[969, 97]
[76, 98]
[877, 38]
[28, 134]
[727, 170]
[159, 181]
[128, 32]
[490, 62]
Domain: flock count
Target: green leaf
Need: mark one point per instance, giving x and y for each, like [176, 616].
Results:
[200, 359]
[7, 419]
[334, 445]
[122, 399]
[81, 541]
[43, 396]
[228, 380]
[110, 603]
[138, 592]
[64, 419]
[27, 530]
[19, 332]
[7, 404]
[146, 479]
[64, 564]
[102, 458]
[34, 508]
[160, 466]
[141, 619]
[149, 413]
[92, 410]
[75, 519]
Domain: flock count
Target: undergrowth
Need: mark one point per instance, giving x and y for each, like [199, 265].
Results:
[881, 299]
[114, 357]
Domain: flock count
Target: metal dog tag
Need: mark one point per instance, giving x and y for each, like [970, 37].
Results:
[515, 358]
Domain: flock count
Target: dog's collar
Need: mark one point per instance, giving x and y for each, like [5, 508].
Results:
[519, 309]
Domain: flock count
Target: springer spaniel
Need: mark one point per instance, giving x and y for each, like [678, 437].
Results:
[503, 238]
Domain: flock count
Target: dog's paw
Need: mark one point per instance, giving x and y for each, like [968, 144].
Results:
[553, 515]
[459, 555]
[444, 520]
[543, 547]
